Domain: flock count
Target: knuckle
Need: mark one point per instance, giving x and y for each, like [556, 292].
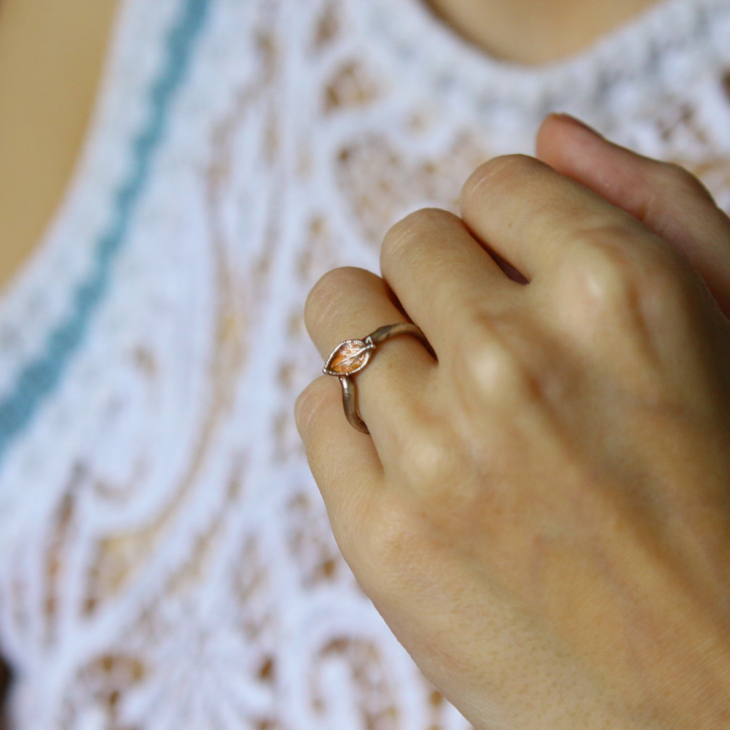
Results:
[605, 284]
[600, 277]
[604, 268]
[427, 462]
[488, 366]
[327, 293]
[612, 271]
[407, 231]
[506, 170]
[675, 176]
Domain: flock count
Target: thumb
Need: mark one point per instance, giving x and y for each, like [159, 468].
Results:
[668, 199]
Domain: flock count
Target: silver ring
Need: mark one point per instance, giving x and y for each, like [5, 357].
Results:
[351, 356]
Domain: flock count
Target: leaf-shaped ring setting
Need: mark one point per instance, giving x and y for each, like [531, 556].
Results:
[349, 357]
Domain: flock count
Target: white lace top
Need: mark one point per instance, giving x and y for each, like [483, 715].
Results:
[165, 556]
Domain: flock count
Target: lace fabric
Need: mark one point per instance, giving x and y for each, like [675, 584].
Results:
[167, 560]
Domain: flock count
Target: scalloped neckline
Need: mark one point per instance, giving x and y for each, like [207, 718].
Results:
[411, 33]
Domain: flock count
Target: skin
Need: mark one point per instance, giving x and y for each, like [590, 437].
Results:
[542, 514]
[535, 32]
[51, 56]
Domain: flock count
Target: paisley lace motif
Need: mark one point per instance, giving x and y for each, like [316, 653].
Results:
[168, 561]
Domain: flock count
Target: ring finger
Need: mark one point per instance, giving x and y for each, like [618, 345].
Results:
[351, 303]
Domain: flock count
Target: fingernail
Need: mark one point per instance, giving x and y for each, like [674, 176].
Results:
[577, 122]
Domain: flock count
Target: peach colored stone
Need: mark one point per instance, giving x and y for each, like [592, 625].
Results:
[348, 358]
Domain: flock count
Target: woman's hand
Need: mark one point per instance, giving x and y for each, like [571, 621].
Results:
[542, 517]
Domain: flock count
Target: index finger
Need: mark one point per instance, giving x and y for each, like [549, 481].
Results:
[535, 218]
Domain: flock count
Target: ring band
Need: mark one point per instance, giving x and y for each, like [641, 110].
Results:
[351, 356]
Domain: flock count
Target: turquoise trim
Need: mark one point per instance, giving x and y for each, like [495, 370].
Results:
[39, 378]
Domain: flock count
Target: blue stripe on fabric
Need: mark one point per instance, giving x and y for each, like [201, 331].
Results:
[38, 379]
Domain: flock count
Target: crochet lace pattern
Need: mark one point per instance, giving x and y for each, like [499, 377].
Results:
[166, 558]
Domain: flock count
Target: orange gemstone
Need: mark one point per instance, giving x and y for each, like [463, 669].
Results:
[348, 358]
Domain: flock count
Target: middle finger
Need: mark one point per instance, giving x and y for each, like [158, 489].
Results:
[443, 276]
